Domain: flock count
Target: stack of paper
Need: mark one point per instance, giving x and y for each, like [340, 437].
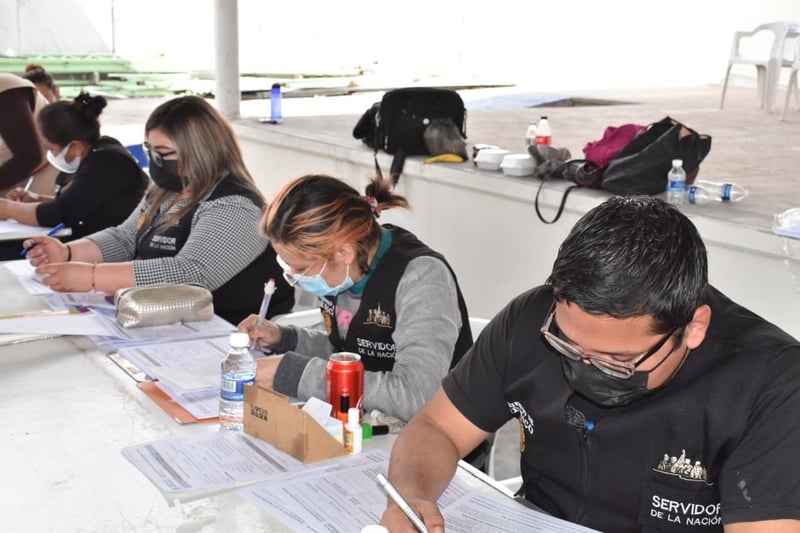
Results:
[187, 371]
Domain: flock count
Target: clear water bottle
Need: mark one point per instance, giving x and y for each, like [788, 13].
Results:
[676, 182]
[530, 134]
[238, 370]
[543, 135]
[275, 103]
[705, 191]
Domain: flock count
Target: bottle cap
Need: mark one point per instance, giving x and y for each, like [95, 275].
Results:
[544, 117]
[352, 415]
[677, 162]
[239, 340]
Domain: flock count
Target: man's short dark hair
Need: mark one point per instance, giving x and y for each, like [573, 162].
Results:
[633, 256]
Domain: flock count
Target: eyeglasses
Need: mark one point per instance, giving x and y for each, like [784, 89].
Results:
[157, 158]
[294, 279]
[607, 365]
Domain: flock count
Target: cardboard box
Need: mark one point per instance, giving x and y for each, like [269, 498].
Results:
[269, 416]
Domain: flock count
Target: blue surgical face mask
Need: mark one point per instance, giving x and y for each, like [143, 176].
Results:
[317, 285]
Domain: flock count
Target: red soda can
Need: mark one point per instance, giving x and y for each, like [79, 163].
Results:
[345, 383]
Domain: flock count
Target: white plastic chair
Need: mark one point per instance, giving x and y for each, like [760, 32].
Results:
[477, 325]
[768, 68]
[791, 86]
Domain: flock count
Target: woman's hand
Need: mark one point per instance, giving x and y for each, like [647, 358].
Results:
[67, 277]
[44, 250]
[267, 334]
[265, 370]
[18, 194]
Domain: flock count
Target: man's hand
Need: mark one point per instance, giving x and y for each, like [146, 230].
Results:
[396, 521]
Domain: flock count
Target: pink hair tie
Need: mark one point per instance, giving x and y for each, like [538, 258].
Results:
[373, 204]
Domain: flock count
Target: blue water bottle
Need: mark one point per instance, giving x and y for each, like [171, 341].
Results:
[275, 103]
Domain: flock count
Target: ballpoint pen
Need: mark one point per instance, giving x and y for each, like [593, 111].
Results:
[50, 233]
[28, 185]
[269, 289]
[402, 503]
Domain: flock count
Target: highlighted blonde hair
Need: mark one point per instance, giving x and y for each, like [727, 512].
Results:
[315, 214]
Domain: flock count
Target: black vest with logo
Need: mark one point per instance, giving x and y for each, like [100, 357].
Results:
[242, 294]
[370, 332]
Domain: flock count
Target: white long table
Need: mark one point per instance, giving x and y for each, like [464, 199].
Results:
[67, 411]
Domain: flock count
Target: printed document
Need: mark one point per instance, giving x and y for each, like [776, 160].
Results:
[323, 500]
[201, 462]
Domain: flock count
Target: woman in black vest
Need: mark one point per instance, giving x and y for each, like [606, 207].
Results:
[198, 222]
[383, 294]
[99, 181]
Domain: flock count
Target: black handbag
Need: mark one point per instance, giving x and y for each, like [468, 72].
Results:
[641, 167]
[397, 123]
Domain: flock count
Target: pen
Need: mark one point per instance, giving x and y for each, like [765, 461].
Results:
[402, 503]
[49, 234]
[28, 185]
[269, 289]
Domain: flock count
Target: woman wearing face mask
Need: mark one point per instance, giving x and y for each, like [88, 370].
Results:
[198, 223]
[99, 182]
[383, 294]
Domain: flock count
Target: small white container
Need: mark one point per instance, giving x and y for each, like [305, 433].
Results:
[490, 158]
[518, 165]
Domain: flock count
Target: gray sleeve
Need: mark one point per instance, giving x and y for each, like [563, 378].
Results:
[428, 324]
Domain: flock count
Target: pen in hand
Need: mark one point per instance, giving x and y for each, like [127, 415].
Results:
[28, 185]
[50, 233]
[402, 503]
[269, 289]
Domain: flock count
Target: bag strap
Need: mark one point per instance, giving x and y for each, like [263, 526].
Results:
[398, 162]
[555, 172]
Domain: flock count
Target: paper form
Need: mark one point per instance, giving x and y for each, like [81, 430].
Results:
[186, 365]
[26, 276]
[12, 226]
[187, 371]
[344, 496]
[121, 337]
[201, 404]
[88, 323]
[500, 514]
[211, 461]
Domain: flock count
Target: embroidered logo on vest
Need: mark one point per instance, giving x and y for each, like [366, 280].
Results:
[682, 467]
[378, 317]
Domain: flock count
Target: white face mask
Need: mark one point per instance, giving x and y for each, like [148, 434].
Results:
[59, 161]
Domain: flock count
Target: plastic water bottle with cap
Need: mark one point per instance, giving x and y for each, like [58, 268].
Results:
[676, 182]
[530, 134]
[703, 191]
[238, 370]
[543, 135]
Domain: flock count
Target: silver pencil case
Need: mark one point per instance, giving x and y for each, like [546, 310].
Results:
[156, 305]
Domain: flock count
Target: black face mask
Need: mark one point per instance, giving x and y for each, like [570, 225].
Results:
[608, 391]
[166, 176]
[602, 389]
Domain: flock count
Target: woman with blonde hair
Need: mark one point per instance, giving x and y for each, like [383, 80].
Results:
[383, 294]
[198, 222]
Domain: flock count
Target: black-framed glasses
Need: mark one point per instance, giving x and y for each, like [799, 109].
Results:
[607, 365]
[157, 158]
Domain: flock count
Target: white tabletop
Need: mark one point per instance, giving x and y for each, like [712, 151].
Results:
[68, 410]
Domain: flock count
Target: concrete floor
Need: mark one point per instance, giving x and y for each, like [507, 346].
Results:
[750, 147]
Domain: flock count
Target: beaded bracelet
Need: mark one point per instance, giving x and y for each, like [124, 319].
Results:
[94, 267]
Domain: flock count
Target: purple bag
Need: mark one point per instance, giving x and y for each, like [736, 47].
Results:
[614, 139]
